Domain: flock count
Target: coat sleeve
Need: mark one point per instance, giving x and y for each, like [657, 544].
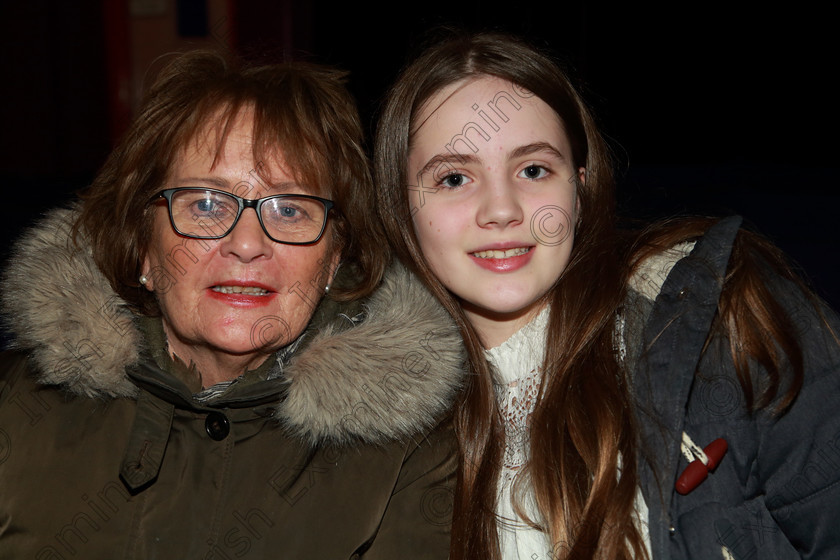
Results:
[776, 492]
[416, 523]
[799, 451]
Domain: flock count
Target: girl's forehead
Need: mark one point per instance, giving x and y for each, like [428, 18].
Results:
[475, 88]
[482, 112]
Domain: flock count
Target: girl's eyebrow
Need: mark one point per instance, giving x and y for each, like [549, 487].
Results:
[529, 149]
[448, 159]
[453, 160]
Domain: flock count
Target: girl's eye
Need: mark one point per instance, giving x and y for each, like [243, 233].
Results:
[533, 172]
[454, 180]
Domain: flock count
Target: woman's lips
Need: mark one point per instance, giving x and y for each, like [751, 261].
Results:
[242, 295]
[502, 260]
[247, 290]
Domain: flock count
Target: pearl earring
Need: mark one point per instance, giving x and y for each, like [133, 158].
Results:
[143, 279]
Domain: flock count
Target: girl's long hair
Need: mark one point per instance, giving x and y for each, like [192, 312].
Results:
[582, 421]
[583, 450]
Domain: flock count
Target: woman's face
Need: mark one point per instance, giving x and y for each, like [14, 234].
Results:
[244, 295]
[493, 196]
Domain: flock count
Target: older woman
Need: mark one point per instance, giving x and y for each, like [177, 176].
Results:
[180, 386]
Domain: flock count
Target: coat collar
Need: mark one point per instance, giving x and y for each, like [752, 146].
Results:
[385, 378]
[686, 292]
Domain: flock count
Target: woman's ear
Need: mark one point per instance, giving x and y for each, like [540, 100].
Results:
[146, 278]
[334, 264]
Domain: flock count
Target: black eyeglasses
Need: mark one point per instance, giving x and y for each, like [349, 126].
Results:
[293, 219]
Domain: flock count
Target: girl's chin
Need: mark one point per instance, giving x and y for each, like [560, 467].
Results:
[501, 312]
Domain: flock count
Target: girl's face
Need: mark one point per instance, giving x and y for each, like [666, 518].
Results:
[493, 199]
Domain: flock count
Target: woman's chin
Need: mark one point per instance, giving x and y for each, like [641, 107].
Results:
[248, 339]
[268, 334]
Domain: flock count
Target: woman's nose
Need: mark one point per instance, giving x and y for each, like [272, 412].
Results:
[247, 241]
[500, 205]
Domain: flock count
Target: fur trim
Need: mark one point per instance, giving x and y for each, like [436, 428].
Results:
[385, 378]
[401, 366]
[65, 315]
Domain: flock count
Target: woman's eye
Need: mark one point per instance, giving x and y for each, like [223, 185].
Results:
[219, 209]
[205, 206]
[454, 180]
[533, 172]
[288, 212]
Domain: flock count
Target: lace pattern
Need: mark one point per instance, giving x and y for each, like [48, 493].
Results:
[517, 365]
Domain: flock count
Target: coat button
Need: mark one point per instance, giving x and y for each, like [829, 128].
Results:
[217, 426]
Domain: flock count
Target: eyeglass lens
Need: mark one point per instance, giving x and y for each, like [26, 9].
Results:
[201, 213]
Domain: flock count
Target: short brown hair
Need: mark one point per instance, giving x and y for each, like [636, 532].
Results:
[302, 108]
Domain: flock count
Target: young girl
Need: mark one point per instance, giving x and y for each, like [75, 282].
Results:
[666, 395]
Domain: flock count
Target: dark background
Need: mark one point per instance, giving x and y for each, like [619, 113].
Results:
[713, 110]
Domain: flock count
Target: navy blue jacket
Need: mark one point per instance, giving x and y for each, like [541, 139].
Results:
[776, 492]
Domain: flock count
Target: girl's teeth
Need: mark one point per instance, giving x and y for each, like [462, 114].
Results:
[247, 290]
[497, 254]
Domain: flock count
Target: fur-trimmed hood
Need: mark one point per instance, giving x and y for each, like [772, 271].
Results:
[385, 378]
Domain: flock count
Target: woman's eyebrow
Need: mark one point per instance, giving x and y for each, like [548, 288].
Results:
[215, 181]
[260, 186]
[283, 186]
[529, 149]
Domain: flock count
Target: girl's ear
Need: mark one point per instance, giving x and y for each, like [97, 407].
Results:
[582, 179]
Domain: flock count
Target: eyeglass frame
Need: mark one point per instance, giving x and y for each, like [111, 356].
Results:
[255, 203]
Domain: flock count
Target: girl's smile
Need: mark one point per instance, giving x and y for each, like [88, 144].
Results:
[483, 193]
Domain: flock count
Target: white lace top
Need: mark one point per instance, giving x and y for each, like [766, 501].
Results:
[517, 365]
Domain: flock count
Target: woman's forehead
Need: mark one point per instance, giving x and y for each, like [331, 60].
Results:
[226, 144]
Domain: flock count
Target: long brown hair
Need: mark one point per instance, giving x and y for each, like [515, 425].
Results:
[583, 421]
[583, 424]
[301, 108]
[759, 330]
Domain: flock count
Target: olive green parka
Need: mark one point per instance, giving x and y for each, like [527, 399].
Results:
[347, 452]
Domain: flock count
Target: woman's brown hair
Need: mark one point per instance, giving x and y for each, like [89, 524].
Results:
[582, 428]
[301, 109]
